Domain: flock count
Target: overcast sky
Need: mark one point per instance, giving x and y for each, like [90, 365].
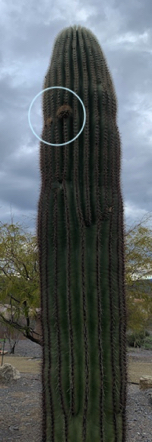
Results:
[27, 34]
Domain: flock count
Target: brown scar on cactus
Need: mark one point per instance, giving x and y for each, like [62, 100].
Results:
[48, 121]
[64, 111]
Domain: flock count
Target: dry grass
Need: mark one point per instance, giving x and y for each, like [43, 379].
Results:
[24, 365]
[136, 369]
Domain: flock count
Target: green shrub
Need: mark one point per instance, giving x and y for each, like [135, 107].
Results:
[147, 343]
[137, 339]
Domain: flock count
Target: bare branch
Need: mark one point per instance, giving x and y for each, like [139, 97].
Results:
[20, 262]
[6, 274]
[23, 330]
[14, 298]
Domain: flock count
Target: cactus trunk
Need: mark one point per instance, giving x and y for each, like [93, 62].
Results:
[80, 232]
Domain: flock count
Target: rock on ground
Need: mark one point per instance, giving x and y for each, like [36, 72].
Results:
[8, 373]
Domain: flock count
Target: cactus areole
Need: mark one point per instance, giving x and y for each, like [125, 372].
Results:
[80, 231]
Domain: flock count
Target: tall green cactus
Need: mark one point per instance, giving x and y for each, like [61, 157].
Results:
[81, 249]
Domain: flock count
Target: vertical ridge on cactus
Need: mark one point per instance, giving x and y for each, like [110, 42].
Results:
[80, 230]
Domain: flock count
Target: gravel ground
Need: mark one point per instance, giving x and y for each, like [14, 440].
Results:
[23, 421]
[26, 348]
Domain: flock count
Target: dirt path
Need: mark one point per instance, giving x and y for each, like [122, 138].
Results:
[139, 364]
[24, 365]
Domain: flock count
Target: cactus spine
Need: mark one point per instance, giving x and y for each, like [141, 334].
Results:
[81, 249]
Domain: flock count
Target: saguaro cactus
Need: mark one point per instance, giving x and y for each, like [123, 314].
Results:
[81, 249]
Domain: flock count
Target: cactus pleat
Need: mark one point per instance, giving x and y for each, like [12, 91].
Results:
[81, 249]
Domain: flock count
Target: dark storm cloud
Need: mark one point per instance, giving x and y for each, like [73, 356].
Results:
[137, 14]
